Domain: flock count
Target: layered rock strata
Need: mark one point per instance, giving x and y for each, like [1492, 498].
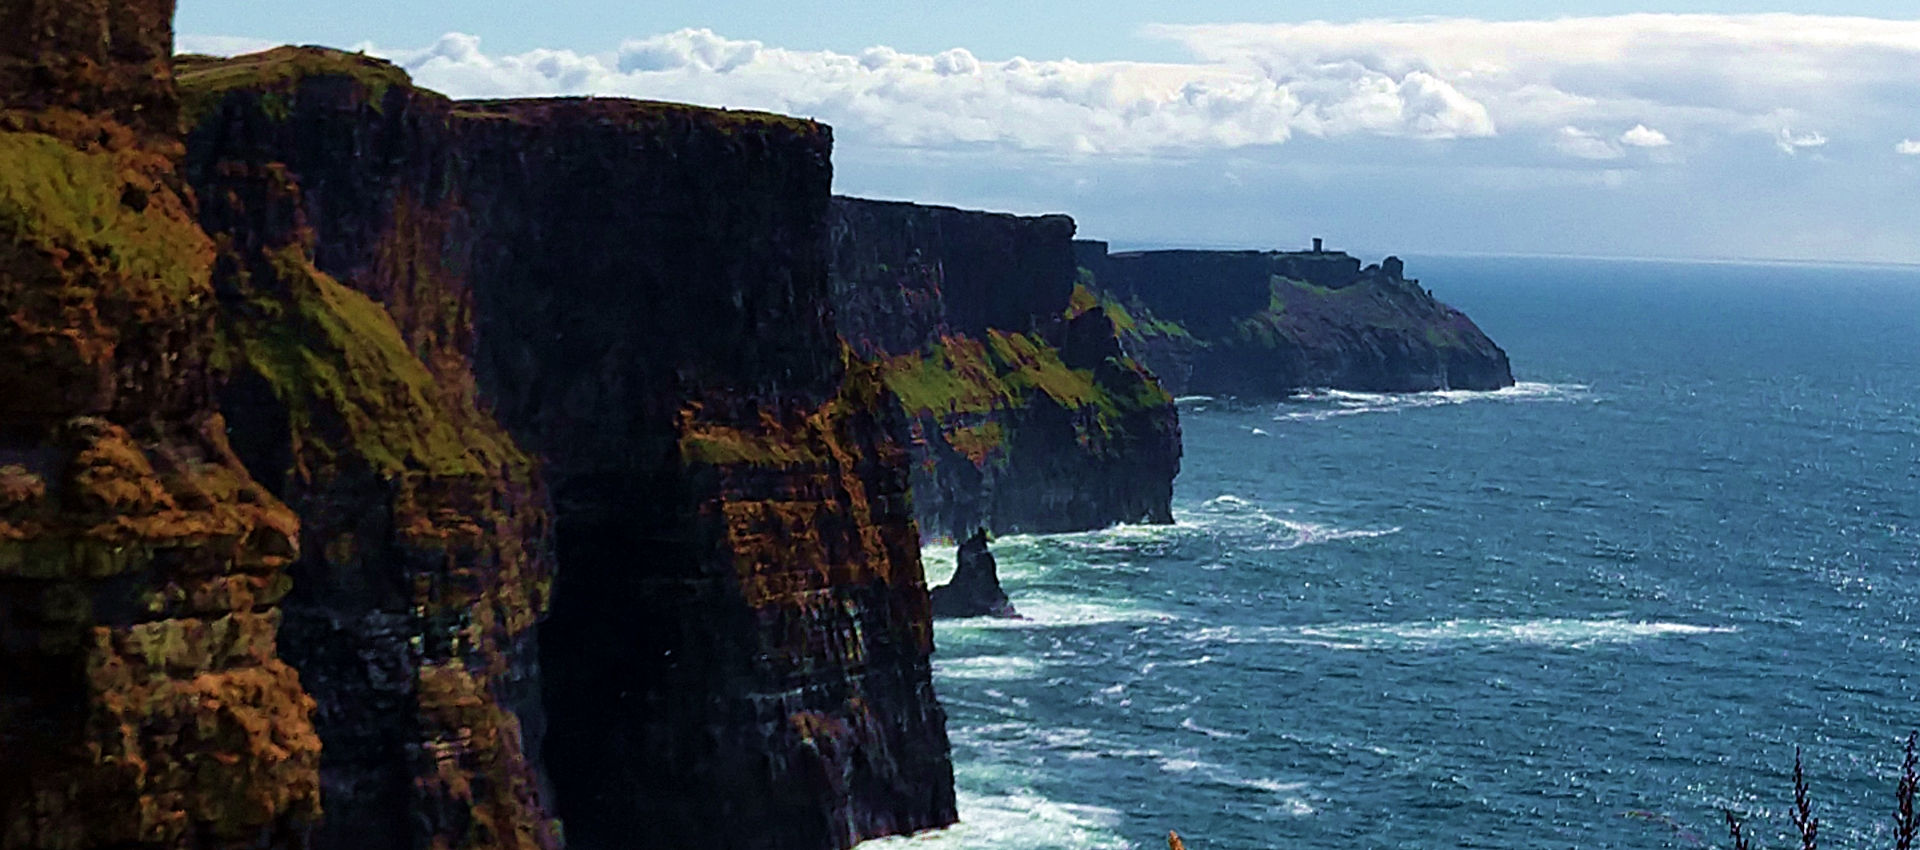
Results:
[739, 629]
[426, 559]
[1266, 324]
[1026, 415]
[143, 700]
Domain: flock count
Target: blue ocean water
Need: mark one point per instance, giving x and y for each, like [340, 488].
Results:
[1590, 611]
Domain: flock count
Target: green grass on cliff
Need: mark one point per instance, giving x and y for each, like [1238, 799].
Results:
[1144, 325]
[88, 211]
[639, 115]
[1030, 364]
[275, 75]
[205, 80]
[956, 376]
[962, 379]
[1307, 316]
[351, 386]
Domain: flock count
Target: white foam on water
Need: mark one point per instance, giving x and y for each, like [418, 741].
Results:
[990, 668]
[1191, 726]
[1023, 818]
[939, 562]
[1321, 405]
[1441, 634]
[1122, 538]
[1050, 610]
[1292, 798]
[1229, 512]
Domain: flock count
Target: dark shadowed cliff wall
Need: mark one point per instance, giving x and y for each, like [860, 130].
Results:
[143, 703]
[737, 649]
[740, 639]
[1026, 416]
[1264, 324]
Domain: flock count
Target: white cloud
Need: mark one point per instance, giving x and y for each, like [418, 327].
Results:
[699, 50]
[1706, 77]
[1384, 122]
[1582, 144]
[1791, 143]
[221, 45]
[1709, 78]
[1642, 136]
[885, 96]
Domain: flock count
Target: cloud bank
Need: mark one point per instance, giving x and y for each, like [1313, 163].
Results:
[1645, 104]
[1633, 82]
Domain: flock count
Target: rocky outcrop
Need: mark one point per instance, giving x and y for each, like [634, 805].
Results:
[638, 293]
[1025, 414]
[143, 700]
[426, 558]
[1265, 324]
[974, 590]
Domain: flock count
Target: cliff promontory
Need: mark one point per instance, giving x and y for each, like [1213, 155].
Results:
[1025, 414]
[1265, 324]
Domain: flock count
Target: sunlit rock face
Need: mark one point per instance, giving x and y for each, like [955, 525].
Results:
[1025, 413]
[349, 391]
[143, 698]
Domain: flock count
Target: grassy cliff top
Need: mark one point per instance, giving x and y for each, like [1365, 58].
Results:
[204, 80]
[626, 110]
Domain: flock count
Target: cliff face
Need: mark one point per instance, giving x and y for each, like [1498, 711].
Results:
[425, 532]
[1025, 413]
[1268, 323]
[143, 702]
[739, 628]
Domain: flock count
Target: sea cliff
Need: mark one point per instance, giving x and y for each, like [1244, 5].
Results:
[1266, 324]
[426, 557]
[144, 698]
[1025, 414]
[545, 491]
[635, 296]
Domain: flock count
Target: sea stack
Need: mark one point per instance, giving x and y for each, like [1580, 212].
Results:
[975, 588]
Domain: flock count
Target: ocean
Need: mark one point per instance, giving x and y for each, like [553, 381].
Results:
[1590, 611]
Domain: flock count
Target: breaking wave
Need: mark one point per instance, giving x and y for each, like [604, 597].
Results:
[1442, 634]
[1230, 514]
[1321, 405]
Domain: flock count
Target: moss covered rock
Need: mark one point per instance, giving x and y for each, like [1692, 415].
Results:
[426, 558]
[143, 699]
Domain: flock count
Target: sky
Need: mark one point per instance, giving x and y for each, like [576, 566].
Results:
[1728, 130]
